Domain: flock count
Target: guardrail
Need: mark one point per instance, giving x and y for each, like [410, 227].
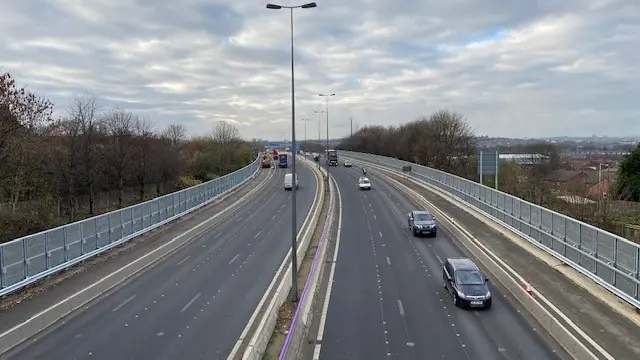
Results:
[26, 260]
[609, 260]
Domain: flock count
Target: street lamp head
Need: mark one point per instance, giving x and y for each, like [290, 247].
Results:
[309, 5]
[274, 6]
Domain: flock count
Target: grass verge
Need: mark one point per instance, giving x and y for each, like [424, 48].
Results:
[288, 309]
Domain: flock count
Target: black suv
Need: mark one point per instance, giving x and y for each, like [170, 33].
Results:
[465, 282]
[422, 222]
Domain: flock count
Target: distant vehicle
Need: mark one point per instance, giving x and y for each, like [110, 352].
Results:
[266, 160]
[347, 164]
[306, 154]
[288, 181]
[275, 154]
[283, 160]
[422, 222]
[316, 157]
[364, 183]
[466, 283]
[286, 150]
[332, 157]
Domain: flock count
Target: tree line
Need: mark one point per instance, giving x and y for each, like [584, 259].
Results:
[445, 141]
[442, 141]
[53, 170]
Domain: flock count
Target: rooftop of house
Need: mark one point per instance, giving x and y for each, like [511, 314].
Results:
[589, 176]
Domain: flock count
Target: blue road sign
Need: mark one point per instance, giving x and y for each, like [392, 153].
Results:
[298, 148]
[274, 144]
[488, 162]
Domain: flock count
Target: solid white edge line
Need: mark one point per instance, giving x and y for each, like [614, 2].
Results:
[506, 267]
[149, 254]
[327, 297]
[245, 331]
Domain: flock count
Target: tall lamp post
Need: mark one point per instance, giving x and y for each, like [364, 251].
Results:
[305, 120]
[294, 222]
[326, 97]
[319, 137]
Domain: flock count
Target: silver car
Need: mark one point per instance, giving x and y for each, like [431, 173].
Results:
[422, 223]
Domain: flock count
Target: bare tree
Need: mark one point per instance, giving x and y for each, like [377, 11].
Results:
[443, 141]
[176, 134]
[452, 141]
[226, 136]
[85, 111]
[66, 153]
[144, 142]
[225, 133]
[118, 127]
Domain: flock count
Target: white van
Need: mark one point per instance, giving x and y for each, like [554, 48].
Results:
[288, 181]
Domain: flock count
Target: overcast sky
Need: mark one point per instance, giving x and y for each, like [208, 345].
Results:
[512, 67]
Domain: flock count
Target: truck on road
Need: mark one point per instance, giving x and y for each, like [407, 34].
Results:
[283, 160]
[266, 160]
[332, 157]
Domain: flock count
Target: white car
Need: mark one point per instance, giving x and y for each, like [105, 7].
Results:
[364, 183]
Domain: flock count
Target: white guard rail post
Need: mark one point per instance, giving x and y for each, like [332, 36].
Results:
[608, 259]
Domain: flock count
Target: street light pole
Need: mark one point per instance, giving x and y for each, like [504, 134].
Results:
[294, 220]
[326, 97]
[319, 136]
[305, 128]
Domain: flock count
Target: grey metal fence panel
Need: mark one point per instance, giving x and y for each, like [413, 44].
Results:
[610, 260]
[28, 259]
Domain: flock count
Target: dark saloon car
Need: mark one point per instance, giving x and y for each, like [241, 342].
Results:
[422, 223]
[466, 283]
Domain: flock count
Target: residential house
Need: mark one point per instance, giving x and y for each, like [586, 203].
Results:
[589, 183]
[586, 164]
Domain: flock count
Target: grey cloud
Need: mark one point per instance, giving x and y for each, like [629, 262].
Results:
[562, 66]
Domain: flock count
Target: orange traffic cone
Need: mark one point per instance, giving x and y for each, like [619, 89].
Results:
[529, 289]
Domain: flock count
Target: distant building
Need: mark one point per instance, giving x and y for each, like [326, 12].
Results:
[524, 159]
[589, 183]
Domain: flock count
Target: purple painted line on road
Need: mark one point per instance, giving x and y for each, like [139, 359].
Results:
[323, 237]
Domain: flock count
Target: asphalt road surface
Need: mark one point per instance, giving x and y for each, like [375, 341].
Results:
[388, 302]
[195, 303]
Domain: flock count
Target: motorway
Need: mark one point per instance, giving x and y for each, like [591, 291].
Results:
[193, 304]
[387, 299]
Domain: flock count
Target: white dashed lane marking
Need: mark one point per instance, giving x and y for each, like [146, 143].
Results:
[183, 260]
[440, 294]
[380, 295]
[123, 303]
[190, 302]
